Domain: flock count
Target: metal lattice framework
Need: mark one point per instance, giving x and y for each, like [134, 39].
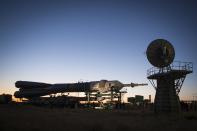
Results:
[177, 70]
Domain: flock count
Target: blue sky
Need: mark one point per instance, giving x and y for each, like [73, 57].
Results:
[68, 41]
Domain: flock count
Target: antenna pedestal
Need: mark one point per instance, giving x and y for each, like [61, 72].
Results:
[166, 99]
[168, 83]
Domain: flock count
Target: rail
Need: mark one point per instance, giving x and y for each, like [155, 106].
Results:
[176, 65]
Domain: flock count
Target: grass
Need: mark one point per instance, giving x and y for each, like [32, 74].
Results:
[20, 117]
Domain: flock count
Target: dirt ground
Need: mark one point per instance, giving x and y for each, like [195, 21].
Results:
[20, 117]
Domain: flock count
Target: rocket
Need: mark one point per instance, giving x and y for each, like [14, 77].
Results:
[28, 89]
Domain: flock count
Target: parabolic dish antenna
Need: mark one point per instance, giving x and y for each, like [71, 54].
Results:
[160, 53]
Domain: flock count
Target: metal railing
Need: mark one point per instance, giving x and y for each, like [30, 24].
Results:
[176, 65]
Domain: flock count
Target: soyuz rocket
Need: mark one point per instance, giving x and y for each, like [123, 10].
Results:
[28, 89]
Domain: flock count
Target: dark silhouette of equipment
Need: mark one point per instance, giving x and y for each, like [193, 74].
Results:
[5, 98]
[169, 76]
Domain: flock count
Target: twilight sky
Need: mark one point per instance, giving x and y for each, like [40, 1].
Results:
[68, 41]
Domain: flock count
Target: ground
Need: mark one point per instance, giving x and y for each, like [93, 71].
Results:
[20, 117]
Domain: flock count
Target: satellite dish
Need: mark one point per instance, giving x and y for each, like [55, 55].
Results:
[160, 53]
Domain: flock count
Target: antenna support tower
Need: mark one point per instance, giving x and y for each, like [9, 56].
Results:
[168, 82]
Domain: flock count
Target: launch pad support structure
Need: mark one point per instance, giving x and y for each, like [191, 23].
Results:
[168, 81]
